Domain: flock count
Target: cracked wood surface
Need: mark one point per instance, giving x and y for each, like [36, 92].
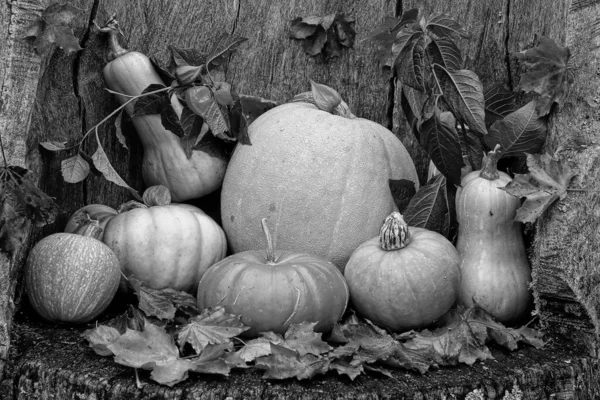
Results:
[60, 97]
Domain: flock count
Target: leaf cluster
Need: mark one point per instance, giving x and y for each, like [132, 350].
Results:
[167, 335]
[452, 116]
[324, 35]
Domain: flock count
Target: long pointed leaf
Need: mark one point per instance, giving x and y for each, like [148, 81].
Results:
[224, 46]
[446, 53]
[443, 146]
[428, 208]
[499, 102]
[463, 90]
[445, 26]
[103, 165]
[410, 64]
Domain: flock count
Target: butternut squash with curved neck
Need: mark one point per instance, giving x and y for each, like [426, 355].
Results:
[164, 161]
[494, 265]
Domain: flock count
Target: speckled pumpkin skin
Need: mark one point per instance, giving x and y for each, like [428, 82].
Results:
[321, 180]
[71, 278]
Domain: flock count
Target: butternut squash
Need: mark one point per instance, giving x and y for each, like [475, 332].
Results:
[164, 161]
[494, 265]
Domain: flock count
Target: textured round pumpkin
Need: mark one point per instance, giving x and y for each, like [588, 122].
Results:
[70, 277]
[166, 246]
[96, 212]
[321, 179]
[405, 278]
[494, 265]
[272, 289]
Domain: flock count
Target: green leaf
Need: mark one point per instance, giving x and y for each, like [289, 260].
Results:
[445, 52]
[499, 102]
[548, 75]
[187, 56]
[384, 37]
[463, 90]
[150, 104]
[202, 102]
[403, 190]
[442, 143]
[545, 183]
[325, 98]
[74, 169]
[410, 63]
[237, 121]
[119, 130]
[254, 106]
[411, 104]
[520, 132]
[222, 49]
[103, 165]
[444, 26]
[191, 124]
[429, 206]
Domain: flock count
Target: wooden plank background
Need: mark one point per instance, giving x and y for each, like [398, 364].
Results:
[60, 97]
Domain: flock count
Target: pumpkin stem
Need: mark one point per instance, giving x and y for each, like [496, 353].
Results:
[157, 195]
[91, 228]
[115, 50]
[343, 110]
[394, 233]
[489, 170]
[270, 247]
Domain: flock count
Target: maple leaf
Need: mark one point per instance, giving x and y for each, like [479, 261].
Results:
[212, 326]
[163, 303]
[301, 338]
[343, 367]
[100, 338]
[284, 363]
[545, 183]
[255, 348]
[22, 204]
[217, 359]
[548, 75]
[54, 28]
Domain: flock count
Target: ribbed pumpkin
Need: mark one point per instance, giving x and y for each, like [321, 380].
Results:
[321, 179]
[71, 277]
[96, 212]
[405, 278]
[494, 265]
[166, 246]
[165, 161]
[272, 289]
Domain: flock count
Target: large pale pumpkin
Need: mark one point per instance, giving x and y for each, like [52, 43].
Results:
[321, 179]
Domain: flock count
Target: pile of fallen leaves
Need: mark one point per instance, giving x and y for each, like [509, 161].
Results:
[167, 335]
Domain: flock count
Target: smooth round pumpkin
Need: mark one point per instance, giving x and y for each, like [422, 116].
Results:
[164, 160]
[322, 180]
[71, 278]
[495, 269]
[95, 212]
[168, 246]
[272, 289]
[405, 278]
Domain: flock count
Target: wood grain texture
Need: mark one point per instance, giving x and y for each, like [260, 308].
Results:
[19, 76]
[55, 362]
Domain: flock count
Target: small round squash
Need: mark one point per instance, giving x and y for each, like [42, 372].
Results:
[405, 278]
[273, 289]
[97, 212]
[71, 277]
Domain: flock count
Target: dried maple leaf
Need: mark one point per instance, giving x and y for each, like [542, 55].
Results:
[54, 28]
[212, 326]
[545, 183]
[163, 303]
[324, 35]
[284, 363]
[548, 75]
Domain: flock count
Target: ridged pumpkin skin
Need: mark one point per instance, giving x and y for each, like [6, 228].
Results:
[165, 246]
[494, 265]
[408, 288]
[321, 179]
[164, 160]
[71, 278]
[97, 212]
[269, 297]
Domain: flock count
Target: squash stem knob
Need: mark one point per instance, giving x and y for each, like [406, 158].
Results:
[489, 170]
[394, 233]
[115, 50]
[91, 228]
[270, 247]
